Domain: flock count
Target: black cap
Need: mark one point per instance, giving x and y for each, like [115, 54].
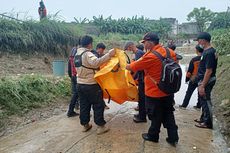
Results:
[204, 35]
[150, 36]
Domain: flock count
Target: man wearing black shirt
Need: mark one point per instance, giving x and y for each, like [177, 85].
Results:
[191, 77]
[207, 79]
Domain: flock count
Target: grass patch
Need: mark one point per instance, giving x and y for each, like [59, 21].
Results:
[47, 36]
[21, 94]
[223, 78]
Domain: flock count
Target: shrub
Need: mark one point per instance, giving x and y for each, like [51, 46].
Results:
[221, 41]
[19, 95]
[46, 36]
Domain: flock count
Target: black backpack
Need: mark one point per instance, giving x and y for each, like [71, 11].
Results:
[78, 61]
[171, 74]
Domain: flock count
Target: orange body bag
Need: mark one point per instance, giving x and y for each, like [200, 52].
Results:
[116, 82]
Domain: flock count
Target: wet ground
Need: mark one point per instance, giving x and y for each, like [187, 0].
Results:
[60, 134]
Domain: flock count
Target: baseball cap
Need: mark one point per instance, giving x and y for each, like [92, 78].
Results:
[204, 35]
[150, 36]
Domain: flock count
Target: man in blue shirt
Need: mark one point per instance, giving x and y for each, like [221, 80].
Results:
[141, 116]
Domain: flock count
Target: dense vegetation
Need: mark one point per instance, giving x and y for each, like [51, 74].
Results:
[132, 25]
[221, 96]
[21, 94]
[217, 23]
[26, 37]
[220, 21]
[221, 40]
[54, 36]
[31, 91]
[57, 37]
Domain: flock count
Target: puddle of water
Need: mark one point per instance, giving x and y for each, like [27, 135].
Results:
[179, 96]
[189, 55]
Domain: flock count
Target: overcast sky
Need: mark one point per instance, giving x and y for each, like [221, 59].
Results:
[152, 9]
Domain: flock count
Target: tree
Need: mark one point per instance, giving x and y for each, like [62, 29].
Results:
[162, 28]
[201, 16]
[220, 21]
[134, 25]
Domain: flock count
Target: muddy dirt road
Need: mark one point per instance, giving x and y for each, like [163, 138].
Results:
[60, 134]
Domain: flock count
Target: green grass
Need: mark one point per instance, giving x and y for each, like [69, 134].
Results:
[221, 40]
[47, 36]
[19, 95]
[223, 78]
[221, 93]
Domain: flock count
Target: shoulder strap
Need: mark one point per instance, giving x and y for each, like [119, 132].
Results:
[167, 53]
[158, 55]
[73, 51]
[83, 52]
[90, 68]
[86, 66]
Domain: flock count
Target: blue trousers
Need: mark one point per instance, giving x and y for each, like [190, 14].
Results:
[206, 116]
[74, 100]
[191, 87]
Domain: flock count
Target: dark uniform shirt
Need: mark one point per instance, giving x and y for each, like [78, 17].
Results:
[193, 68]
[208, 60]
[95, 53]
[140, 74]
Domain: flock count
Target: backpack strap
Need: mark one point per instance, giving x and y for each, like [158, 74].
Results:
[86, 66]
[158, 55]
[83, 52]
[161, 59]
[73, 51]
[90, 68]
[167, 53]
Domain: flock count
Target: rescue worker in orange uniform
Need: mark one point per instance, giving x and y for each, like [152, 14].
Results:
[159, 105]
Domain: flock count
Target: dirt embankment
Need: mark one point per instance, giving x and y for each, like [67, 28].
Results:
[14, 65]
[23, 64]
[221, 96]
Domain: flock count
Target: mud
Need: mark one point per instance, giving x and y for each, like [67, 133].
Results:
[60, 134]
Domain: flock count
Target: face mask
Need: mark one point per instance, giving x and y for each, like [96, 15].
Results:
[201, 46]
